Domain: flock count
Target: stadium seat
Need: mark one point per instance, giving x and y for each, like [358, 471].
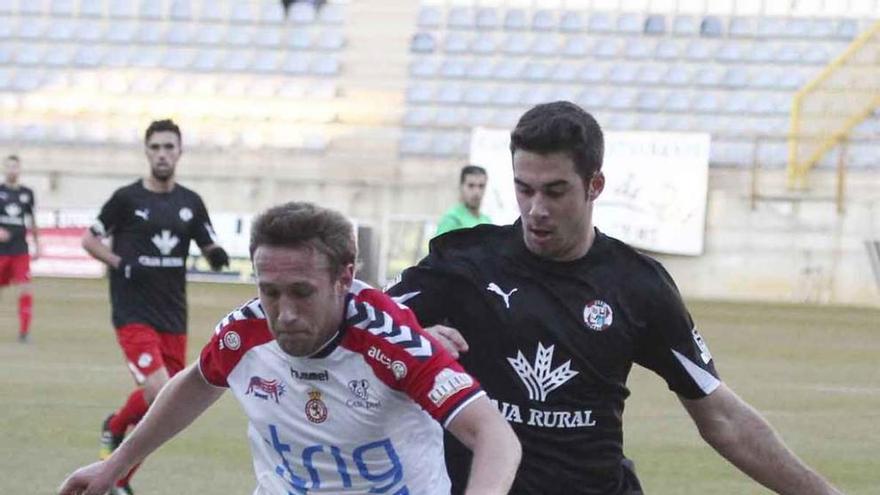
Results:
[536, 71]
[424, 67]
[179, 34]
[685, 25]
[667, 50]
[237, 61]
[332, 14]
[209, 34]
[61, 57]
[678, 75]
[330, 39]
[515, 20]
[122, 32]
[606, 48]
[771, 27]
[710, 27]
[416, 143]
[706, 102]
[698, 51]
[418, 117]
[177, 58]
[266, 61]
[479, 117]
[677, 101]
[515, 44]
[545, 45]
[449, 117]
[453, 68]
[629, 23]
[507, 95]
[151, 33]
[575, 46]
[544, 20]
[650, 75]
[89, 56]
[821, 28]
[600, 22]
[456, 42]
[571, 22]
[564, 73]
[29, 55]
[147, 57]
[325, 65]
[787, 54]
[271, 13]
[476, 94]
[180, 10]
[651, 122]
[735, 78]
[32, 28]
[730, 52]
[460, 18]
[296, 64]
[591, 73]
[622, 74]
[242, 13]
[116, 58]
[429, 17]
[238, 35]
[761, 53]
[302, 13]
[622, 99]
[507, 70]
[649, 101]
[487, 19]
[150, 9]
[655, 24]
[709, 76]
[478, 69]
[742, 27]
[7, 6]
[7, 28]
[91, 8]
[268, 37]
[421, 42]
[32, 7]
[62, 8]
[213, 11]
[639, 48]
[60, 30]
[795, 28]
[483, 44]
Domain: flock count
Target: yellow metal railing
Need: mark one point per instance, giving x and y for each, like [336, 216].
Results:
[825, 111]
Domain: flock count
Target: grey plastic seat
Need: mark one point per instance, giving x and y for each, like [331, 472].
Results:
[180, 10]
[571, 22]
[638, 48]
[449, 117]
[650, 75]
[655, 24]
[622, 74]
[414, 143]
[460, 18]
[649, 101]
[487, 18]
[63, 56]
[418, 117]
[266, 61]
[32, 7]
[476, 94]
[31, 28]
[91, 8]
[706, 102]
[735, 78]
[606, 48]
[236, 61]
[179, 34]
[207, 60]
[601, 22]
[698, 50]
[622, 99]
[483, 44]
[177, 59]
[515, 20]
[268, 37]
[708, 77]
[507, 95]
[742, 27]
[453, 68]
[29, 55]
[150, 33]
[536, 71]
[456, 42]
[331, 13]
[821, 28]
[678, 75]
[677, 101]
[507, 70]
[629, 23]
[515, 44]
[150, 9]
[730, 52]
[685, 25]
[771, 27]
[62, 7]
[330, 39]
[564, 73]
[423, 67]
[272, 13]
[667, 50]
[544, 20]
[545, 44]
[787, 54]
[796, 28]
[449, 94]
[296, 64]
[711, 27]
[575, 46]
[209, 34]
[422, 42]
[89, 56]
[122, 32]
[591, 73]
[478, 69]
[241, 13]
[238, 35]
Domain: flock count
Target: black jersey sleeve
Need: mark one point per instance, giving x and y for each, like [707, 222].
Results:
[203, 231]
[111, 216]
[426, 290]
[670, 344]
[28, 208]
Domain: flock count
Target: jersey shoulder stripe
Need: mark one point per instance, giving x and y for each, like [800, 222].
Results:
[252, 310]
[398, 329]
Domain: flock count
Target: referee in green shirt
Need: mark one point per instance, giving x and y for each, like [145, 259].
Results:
[466, 213]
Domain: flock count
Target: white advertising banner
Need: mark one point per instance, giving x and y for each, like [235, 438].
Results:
[655, 189]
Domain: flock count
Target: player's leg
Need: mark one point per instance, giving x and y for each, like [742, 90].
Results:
[5, 272]
[20, 276]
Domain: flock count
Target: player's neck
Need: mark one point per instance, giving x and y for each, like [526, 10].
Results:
[155, 185]
[11, 185]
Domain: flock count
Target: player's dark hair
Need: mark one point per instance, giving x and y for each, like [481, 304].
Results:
[296, 224]
[162, 126]
[13, 158]
[470, 170]
[561, 126]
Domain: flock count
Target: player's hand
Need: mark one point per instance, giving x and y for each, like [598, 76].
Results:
[94, 479]
[131, 270]
[38, 251]
[450, 338]
[217, 258]
[4, 235]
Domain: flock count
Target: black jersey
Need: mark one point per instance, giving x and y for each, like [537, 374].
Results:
[553, 343]
[15, 204]
[153, 230]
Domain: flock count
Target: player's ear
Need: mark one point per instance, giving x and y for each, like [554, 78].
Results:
[595, 185]
[346, 277]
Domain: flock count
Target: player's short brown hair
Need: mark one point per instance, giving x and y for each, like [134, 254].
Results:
[296, 224]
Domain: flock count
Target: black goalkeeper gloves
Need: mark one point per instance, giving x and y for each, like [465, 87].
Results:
[217, 258]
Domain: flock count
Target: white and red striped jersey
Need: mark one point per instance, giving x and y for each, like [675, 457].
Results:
[362, 415]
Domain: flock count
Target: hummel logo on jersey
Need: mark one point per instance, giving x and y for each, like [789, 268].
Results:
[493, 287]
[166, 242]
[539, 379]
[143, 213]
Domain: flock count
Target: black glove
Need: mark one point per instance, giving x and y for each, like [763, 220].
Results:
[217, 258]
[131, 270]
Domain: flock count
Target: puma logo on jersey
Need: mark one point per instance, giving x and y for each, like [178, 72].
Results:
[143, 213]
[493, 287]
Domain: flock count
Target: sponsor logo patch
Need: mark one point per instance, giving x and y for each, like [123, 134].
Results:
[447, 383]
[538, 378]
[598, 315]
[360, 389]
[705, 355]
[265, 389]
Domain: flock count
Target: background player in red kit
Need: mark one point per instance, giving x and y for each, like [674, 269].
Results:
[344, 392]
[16, 215]
[151, 222]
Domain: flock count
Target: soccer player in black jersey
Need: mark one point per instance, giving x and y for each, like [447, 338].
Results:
[16, 214]
[151, 222]
[550, 314]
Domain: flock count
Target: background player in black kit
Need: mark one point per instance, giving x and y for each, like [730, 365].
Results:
[151, 222]
[552, 314]
[16, 215]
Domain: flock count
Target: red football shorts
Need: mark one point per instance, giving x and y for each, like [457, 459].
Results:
[15, 269]
[147, 350]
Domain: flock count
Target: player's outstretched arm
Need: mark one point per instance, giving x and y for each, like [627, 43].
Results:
[740, 434]
[495, 447]
[451, 339]
[181, 401]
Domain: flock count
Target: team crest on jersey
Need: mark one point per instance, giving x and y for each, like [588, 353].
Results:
[24, 198]
[186, 214]
[145, 360]
[598, 315]
[316, 410]
[231, 341]
[265, 389]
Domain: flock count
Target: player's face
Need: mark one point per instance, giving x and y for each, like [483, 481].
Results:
[163, 151]
[472, 190]
[11, 170]
[555, 204]
[304, 303]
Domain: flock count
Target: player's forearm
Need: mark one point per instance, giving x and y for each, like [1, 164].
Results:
[181, 401]
[496, 450]
[752, 445]
[98, 250]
